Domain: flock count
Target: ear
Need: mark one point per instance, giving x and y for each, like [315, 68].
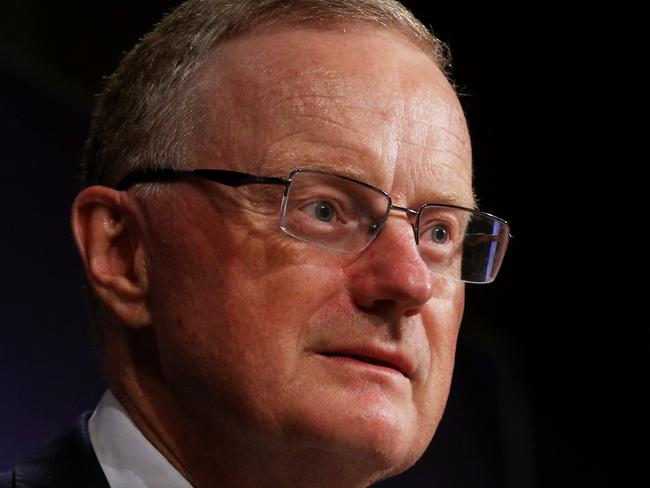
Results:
[107, 227]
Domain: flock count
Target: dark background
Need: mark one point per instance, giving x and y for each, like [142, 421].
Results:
[538, 398]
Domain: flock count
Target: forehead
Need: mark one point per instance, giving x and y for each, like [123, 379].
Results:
[352, 99]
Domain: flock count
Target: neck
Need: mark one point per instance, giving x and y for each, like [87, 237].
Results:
[213, 454]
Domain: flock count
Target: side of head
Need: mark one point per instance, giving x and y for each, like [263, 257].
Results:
[244, 354]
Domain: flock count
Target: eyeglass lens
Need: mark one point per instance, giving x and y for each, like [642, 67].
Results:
[345, 215]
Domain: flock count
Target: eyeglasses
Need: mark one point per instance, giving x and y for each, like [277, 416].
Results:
[342, 214]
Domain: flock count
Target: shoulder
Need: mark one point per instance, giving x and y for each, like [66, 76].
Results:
[68, 460]
[6, 479]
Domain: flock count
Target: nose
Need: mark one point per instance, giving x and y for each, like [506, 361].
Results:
[390, 274]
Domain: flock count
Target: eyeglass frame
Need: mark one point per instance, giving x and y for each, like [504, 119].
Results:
[237, 179]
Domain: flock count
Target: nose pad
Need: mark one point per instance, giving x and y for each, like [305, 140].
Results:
[411, 216]
[392, 275]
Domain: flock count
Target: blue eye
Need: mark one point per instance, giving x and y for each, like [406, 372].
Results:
[439, 234]
[324, 211]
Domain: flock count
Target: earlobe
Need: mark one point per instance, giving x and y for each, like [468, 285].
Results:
[107, 229]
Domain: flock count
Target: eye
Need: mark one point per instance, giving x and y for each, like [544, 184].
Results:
[323, 211]
[439, 234]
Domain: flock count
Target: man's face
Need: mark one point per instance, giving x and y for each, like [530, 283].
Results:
[271, 343]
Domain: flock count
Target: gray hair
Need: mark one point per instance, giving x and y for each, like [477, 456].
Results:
[146, 116]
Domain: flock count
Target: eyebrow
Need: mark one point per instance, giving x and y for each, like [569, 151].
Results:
[441, 197]
[453, 198]
[339, 169]
[282, 169]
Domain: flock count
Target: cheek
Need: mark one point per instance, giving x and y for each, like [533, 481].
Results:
[442, 320]
[230, 332]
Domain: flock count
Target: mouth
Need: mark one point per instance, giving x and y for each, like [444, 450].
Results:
[381, 360]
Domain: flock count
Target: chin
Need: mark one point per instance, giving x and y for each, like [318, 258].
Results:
[380, 442]
[386, 453]
[392, 446]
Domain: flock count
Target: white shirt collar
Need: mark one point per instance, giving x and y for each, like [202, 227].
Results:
[126, 456]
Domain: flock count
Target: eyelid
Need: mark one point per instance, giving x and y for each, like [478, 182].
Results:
[440, 217]
[346, 201]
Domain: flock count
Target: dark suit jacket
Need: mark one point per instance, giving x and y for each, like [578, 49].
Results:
[67, 461]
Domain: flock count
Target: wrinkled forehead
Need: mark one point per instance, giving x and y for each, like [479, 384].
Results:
[342, 60]
[353, 92]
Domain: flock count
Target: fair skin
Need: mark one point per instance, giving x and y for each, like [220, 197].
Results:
[250, 358]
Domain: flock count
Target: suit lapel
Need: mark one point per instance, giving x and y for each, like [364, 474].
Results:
[67, 461]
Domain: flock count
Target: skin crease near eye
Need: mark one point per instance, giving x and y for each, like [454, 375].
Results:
[286, 359]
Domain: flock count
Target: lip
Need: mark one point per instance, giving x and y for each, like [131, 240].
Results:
[379, 357]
